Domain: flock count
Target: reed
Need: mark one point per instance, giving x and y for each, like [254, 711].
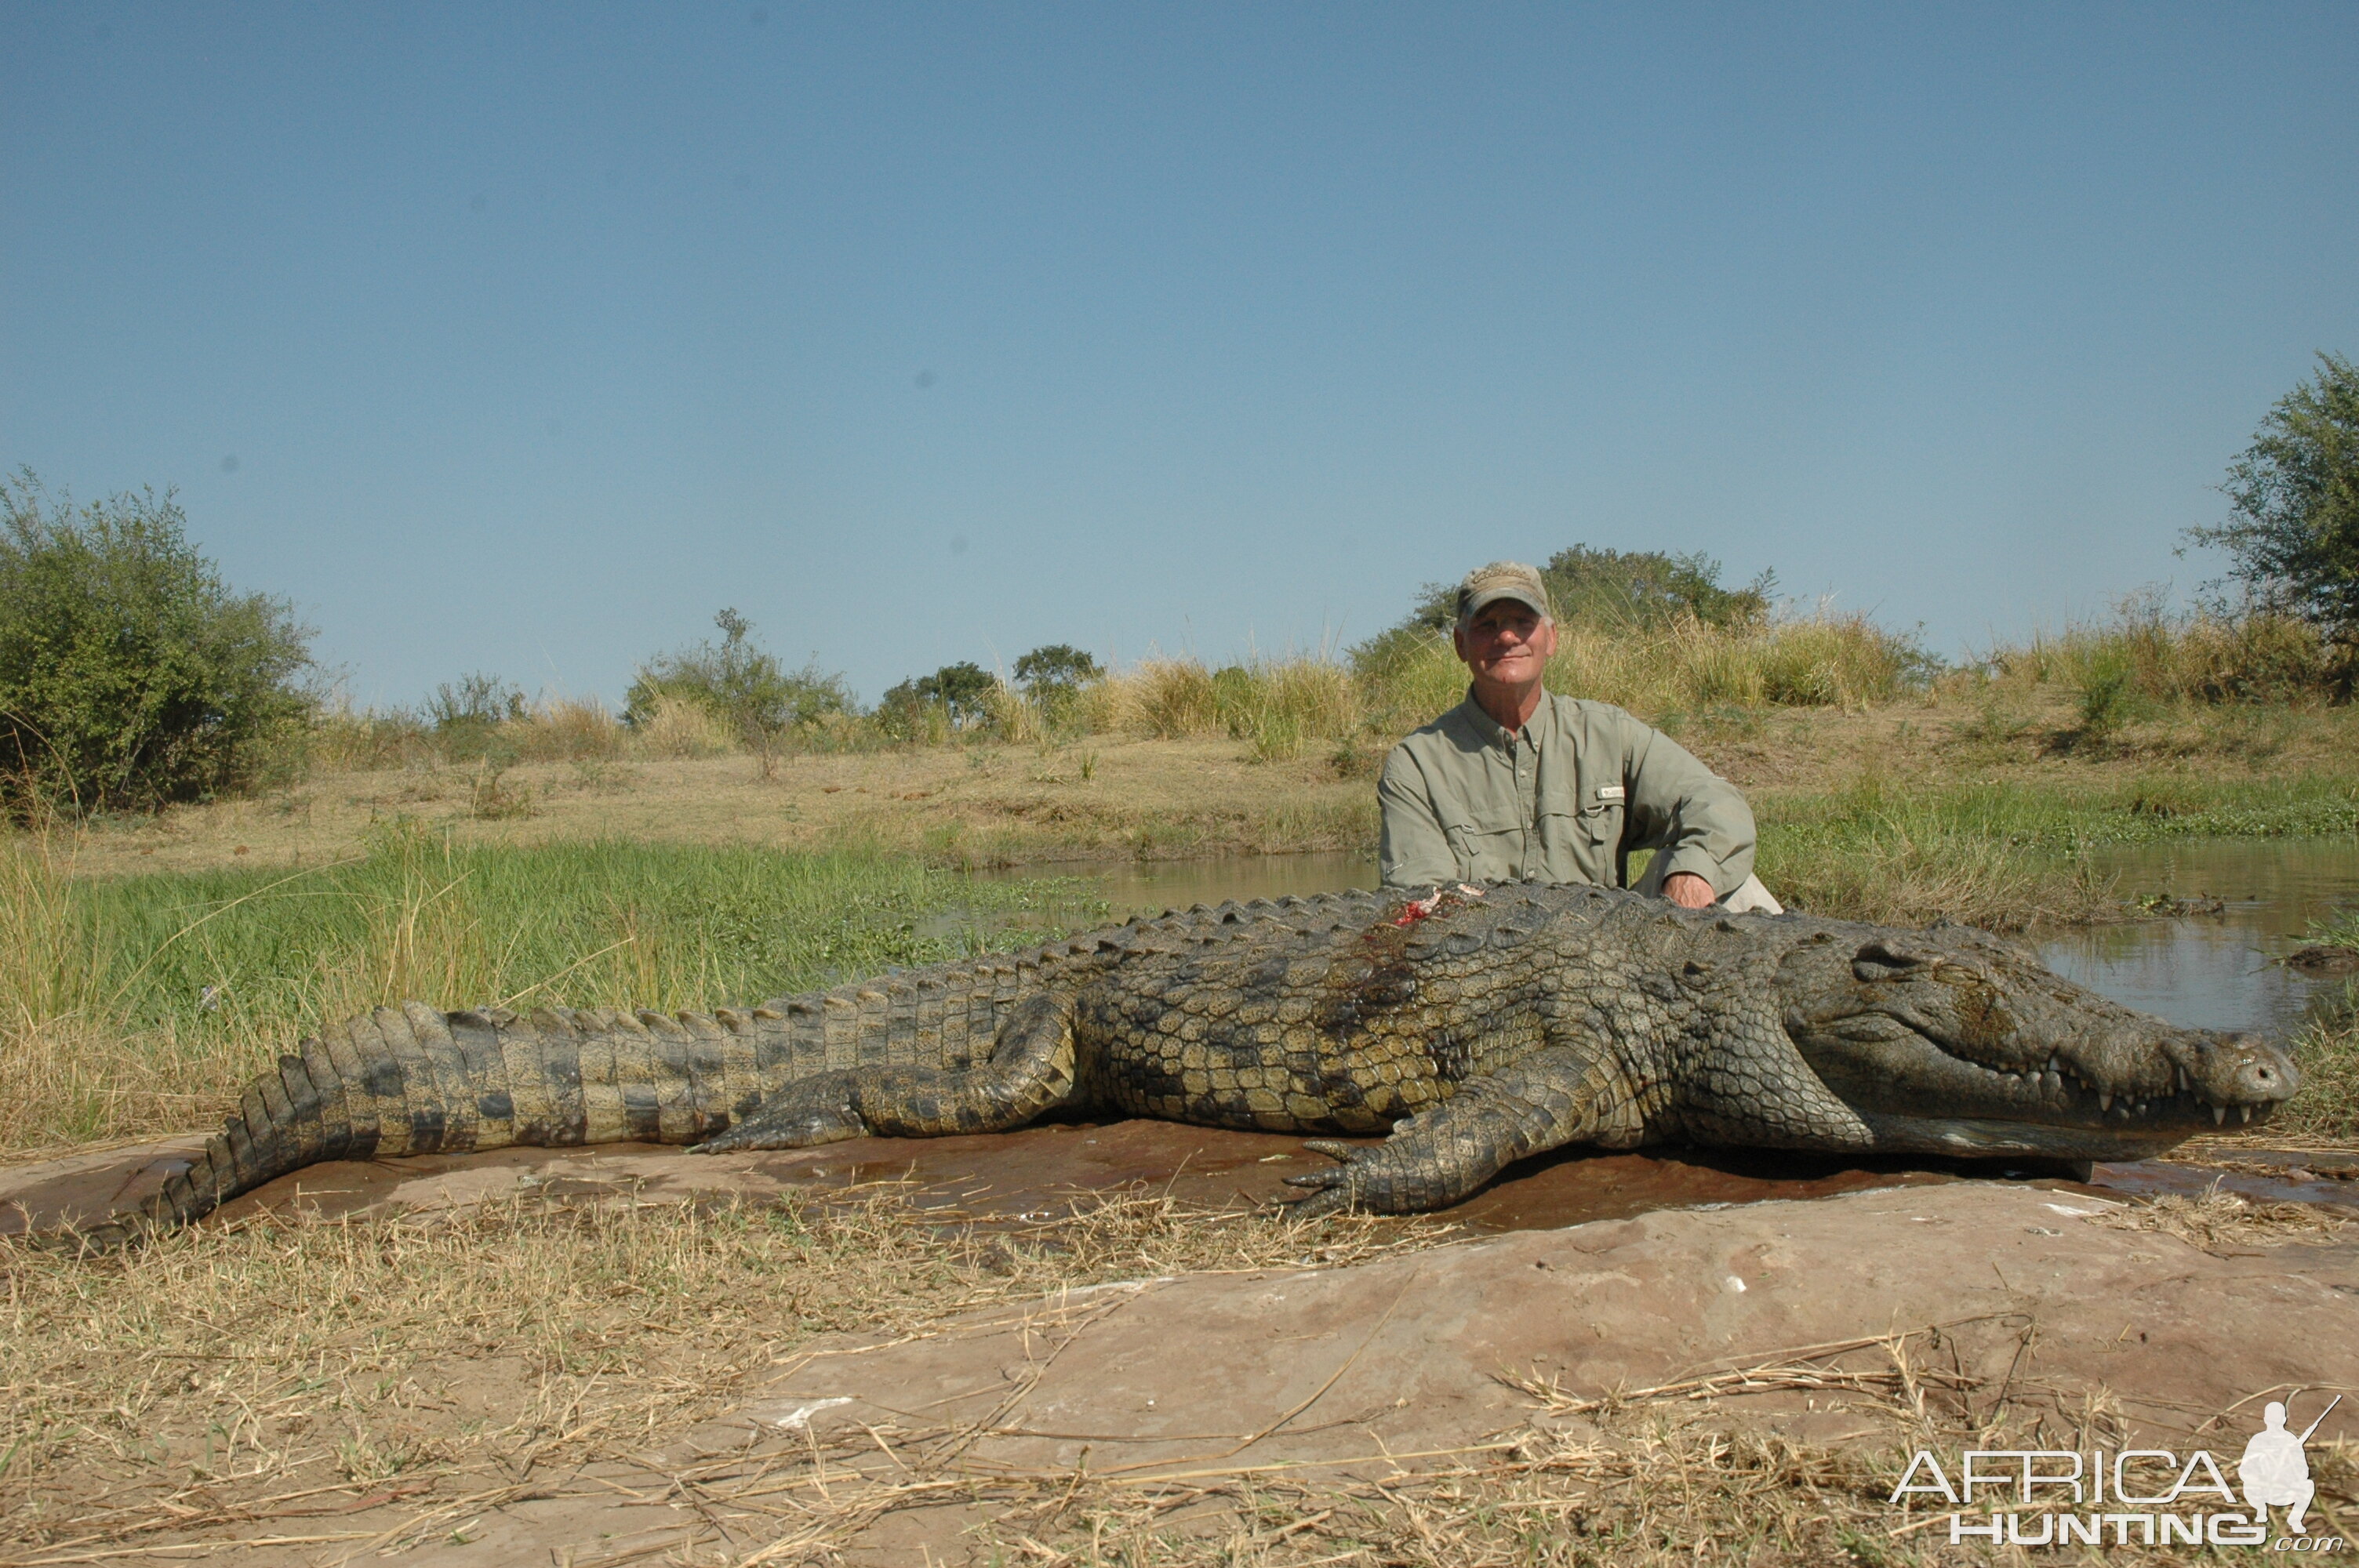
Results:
[137, 1005]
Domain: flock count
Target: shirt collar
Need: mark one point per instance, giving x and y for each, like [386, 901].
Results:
[1494, 733]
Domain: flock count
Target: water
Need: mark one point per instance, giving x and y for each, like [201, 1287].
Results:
[2216, 970]
[2210, 969]
[1155, 886]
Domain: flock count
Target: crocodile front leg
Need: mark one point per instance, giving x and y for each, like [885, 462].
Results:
[1030, 1070]
[1433, 1158]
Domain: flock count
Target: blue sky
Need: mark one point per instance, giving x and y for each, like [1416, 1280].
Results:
[523, 338]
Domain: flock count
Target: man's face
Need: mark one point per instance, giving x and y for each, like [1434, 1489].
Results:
[1505, 643]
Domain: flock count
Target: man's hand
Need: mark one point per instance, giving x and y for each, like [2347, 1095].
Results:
[1687, 890]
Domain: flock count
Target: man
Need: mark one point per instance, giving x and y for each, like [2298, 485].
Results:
[1515, 782]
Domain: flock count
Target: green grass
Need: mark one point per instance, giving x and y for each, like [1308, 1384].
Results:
[2006, 856]
[125, 1002]
[2340, 930]
[2328, 1054]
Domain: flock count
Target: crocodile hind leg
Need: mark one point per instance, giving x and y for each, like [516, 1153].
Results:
[1030, 1070]
[1437, 1157]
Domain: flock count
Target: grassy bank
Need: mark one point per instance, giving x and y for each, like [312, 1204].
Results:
[1908, 812]
[138, 1004]
[2012, 854]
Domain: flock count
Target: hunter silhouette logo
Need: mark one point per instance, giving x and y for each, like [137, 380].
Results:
[2142, 1497]
[2275, 1469]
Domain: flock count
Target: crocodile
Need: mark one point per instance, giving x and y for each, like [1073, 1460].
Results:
[1472, 1027]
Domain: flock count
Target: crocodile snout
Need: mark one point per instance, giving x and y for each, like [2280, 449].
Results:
[2262, 1073]
[2242, 1070]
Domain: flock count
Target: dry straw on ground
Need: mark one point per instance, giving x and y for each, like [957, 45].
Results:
[2221, 1221]
[269, 1384]
[276, 1373]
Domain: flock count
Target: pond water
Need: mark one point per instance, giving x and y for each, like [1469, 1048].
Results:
[2214, 969]
[2217, 970]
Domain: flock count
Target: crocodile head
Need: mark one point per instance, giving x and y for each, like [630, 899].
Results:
[1952, 1041]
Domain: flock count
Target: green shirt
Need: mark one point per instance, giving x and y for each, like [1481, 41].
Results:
[1564, 800]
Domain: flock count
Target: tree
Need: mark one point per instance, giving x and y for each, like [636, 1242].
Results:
[1052, 676]
[1056, 670]
[955, 697]
[131, 675]
[742, 685]
[2294, 539]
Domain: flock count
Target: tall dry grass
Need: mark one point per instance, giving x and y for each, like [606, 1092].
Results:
[1276, 706]
[344, 738]
[1821, 660]
[2147, 650]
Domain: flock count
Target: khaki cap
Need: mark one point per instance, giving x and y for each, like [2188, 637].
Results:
[1503, 579]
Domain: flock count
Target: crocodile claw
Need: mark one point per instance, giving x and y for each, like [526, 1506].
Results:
[1333, 1190]
[812, 1112]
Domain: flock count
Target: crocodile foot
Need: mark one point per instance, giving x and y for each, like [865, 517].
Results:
[814, 1111]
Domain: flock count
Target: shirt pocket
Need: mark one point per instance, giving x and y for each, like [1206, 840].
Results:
[1600, 822]
[1487, 842]
[1597, 809]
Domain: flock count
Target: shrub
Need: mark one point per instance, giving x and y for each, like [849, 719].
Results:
[131, 675]
[1052, 679]
[469, 717]
[1615, 591]
[741, 686]
[1058, 666]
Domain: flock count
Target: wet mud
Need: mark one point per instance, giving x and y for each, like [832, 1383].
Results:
[1036, 1174]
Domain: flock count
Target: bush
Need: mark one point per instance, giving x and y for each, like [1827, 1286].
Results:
[741, 686]
[131, 675]
[1612, 590]
[470, 716]
[956, 697]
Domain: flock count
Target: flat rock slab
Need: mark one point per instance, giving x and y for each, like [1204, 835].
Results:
[1357, 1371]
[1035, 1171]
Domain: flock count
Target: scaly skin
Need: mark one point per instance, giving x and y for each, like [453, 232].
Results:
[1478, 1026]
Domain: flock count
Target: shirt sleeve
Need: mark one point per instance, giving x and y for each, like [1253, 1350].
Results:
[1683, 810]
[1416, 851]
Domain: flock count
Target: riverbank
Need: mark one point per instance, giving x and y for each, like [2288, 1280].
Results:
[1940, 805]
[148, 966]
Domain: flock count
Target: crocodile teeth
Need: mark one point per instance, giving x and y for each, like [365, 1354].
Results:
[2219, 1114]
[2105, 1102]
[2245, 1111]
[2052, 1063]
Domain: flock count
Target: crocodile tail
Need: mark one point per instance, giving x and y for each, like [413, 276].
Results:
[412, 1080]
